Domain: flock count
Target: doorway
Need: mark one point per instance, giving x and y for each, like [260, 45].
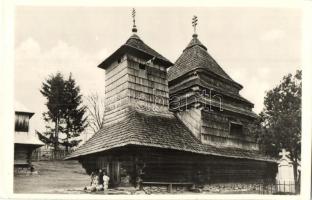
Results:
[114, 173]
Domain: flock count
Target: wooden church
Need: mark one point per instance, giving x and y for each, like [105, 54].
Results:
[173, 123]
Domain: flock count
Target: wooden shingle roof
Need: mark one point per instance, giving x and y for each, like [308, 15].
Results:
[136, 46]
[195, 56]
[20, 108]
[155, 130]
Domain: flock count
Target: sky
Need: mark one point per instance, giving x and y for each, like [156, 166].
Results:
[256, 46]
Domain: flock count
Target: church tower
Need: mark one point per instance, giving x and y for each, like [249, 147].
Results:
[135, 78]
[207, 99]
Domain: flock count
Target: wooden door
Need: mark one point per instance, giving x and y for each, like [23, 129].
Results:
[114, 173]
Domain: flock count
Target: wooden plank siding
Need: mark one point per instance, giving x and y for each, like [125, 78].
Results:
[215, 131]
[21, 154]
[128, 85]
[192, 119]
[116, 95]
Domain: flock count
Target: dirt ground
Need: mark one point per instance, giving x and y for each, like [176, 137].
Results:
[53, 177]
[64, 177]
[59, 177]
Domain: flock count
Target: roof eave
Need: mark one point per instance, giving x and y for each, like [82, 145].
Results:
[126, 48]
[201, 69]
[30, 114]
[76, 157]
[29, 144]
[204, 70]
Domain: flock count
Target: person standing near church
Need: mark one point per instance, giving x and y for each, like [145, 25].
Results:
[105, 182]
[100, 181]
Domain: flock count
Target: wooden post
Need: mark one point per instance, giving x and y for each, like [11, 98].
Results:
[170, 188]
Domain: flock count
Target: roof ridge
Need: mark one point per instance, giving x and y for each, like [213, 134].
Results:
[136, 45]
[195, 42]
[154, 113]
[142, 46]
[194, 56]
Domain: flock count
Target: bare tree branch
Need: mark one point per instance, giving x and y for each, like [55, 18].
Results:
[95, 110]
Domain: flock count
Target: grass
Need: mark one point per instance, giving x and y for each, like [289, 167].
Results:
[53, 177]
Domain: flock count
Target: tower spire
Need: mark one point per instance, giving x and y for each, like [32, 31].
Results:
[194, 24]
[134, 29]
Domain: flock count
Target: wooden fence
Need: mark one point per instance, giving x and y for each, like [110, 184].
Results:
[49, 154]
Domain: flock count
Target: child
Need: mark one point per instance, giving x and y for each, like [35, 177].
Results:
[93, 183]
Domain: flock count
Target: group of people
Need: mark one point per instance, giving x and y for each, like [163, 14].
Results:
[99, 181]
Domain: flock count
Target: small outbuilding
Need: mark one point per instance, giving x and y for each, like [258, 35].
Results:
[24, 141]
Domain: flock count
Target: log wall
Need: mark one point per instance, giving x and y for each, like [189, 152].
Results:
[159, 165]
[22, 154]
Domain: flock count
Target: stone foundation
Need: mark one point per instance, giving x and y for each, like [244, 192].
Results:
[155, 189]
[247, 188]
[239, 188]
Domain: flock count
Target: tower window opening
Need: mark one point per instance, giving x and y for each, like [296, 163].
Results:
[142, 67]
[236, 128]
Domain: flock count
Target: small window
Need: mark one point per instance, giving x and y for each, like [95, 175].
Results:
[21, 123]
[119, 60]
[142, 67]
[236, 128]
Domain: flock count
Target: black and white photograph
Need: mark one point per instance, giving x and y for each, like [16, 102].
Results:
[157, 100]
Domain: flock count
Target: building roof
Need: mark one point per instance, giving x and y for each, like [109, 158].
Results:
[204, 84]
[19, 107]
[156, 130]
[27, 139]
[136, 46]
[196, 56]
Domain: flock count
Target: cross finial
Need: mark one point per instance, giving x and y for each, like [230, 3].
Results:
[284, 154]
[194, 23]
[134, 29]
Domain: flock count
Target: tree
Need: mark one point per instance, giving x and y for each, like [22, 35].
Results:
[75, 122]
[280, 120]
[65, 112]
[95, 108]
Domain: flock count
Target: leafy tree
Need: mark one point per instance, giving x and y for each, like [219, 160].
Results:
[279, 124]
[65, 116]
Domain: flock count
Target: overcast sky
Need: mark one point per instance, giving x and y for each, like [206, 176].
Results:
[255, 46]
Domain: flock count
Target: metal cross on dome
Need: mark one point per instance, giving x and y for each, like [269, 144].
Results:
[133, 16]
[194, 23]
[134, 29]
